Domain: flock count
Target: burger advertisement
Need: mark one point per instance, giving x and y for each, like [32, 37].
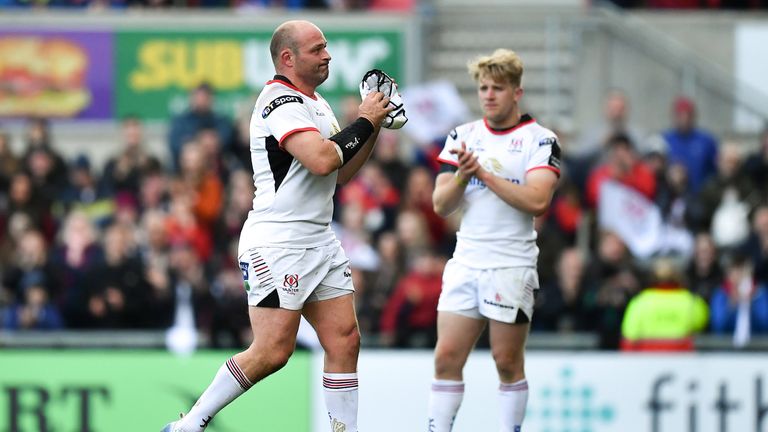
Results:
[56, 74]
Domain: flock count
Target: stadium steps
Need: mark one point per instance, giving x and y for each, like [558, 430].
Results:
[541, 35]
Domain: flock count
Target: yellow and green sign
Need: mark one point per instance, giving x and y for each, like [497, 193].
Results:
[155, 70]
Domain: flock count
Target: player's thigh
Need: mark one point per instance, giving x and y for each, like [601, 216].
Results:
[459, 293]
[508, 341]
[273, 327]
[456, 337]
[336, 280]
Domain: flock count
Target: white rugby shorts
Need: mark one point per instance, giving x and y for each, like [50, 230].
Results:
[288, 278]
[499, 294]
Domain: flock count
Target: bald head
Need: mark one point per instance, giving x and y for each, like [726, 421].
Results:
[287, 36]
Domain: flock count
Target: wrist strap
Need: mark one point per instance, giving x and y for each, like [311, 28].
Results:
[459, 181]
[352, 138]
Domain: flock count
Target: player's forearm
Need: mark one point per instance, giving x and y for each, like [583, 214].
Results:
[351, 168]
[527, 199]
[448, 194]
[323, 161]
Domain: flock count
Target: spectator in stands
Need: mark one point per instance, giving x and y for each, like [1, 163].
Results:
[40, 164]
[38, 138]
[237, 204]
[674, 198]
[377, 198]
[566, 213]
[199, 115]
[410, 317]
[624, 166]
[9, 163]
[756, 246]
[551, 242]
[24, 199]
[17, 225]
[230, 326]
[381, 283]
[239, 154]
[594, 139]
[387, 154]
[412, 234]
[704, 272]
[214, 156]
[154, 247]
[76, 256]
[355, 239]
[724, 202]
[118, 293]
[123, 173]
[183, 227]
[756, 165]
[665, 315]
[690, 145]
[203, 184]
[611, 279]
[30, 258]
[86, 194]
[154, 252]
[154, 193]
[191, 286]
[34, 310]
[417, 196]
[740, 304]
[559, 303]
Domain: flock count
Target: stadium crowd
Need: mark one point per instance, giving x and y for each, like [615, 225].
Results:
[129, 245]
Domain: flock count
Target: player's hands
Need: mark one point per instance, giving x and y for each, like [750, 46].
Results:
[375, 108]
[468, 163]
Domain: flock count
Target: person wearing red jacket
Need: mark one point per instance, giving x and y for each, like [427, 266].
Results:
[410, 315]
[623, 165]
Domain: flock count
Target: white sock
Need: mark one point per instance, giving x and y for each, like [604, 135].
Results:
[512, 401]
[341, 400]
[444, 402]
[229, 383]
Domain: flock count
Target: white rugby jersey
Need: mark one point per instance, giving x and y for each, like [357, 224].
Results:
[292, 207]
[494, 234]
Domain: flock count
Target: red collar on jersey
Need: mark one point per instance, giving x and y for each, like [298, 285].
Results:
[286, 82]
[524, 120]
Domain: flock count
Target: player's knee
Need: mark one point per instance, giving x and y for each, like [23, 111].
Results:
[279, 357]
[448, 362]
[509, 364]
[347, 343]
[343, 344]
[272, 357]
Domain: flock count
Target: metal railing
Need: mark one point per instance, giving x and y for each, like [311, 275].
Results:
[156, 339]
[697, 75]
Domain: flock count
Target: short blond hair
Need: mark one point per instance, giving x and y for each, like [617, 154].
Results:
[502, 65]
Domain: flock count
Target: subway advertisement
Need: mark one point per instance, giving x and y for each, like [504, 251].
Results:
[149, 73]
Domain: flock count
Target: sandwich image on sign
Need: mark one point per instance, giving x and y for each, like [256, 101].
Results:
[40, 76]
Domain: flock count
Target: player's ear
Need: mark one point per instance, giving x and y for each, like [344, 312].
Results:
[519, 93]
[287, 57]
